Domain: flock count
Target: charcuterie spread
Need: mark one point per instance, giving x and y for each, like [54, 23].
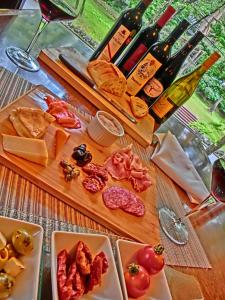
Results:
[69, 165]
[78, 272]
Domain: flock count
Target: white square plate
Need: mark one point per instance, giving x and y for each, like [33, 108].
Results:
[26, 286]
[158, 289]
[110, 288]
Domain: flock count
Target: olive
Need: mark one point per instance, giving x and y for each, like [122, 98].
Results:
[6, 284]
[22, 241]
[88, 157]
[78, 154]
[80, 147]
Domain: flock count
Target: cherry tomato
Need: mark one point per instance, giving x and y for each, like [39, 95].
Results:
[151, 258]
[137, 280]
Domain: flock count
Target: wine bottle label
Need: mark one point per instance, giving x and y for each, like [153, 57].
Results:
[135, 56]
[153, 88]
[162, 106]
[119, 38]
[144, 71]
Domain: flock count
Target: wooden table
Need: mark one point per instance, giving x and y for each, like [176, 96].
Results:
[209, 225]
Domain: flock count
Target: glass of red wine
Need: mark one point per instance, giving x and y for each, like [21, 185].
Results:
[51, 10]
[173, 226]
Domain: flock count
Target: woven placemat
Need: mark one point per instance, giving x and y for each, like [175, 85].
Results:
[18, 193]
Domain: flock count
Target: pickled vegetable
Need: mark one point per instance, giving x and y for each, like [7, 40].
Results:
[22, 241]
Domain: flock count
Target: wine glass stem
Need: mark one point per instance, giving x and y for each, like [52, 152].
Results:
[42, 25]
[199, 206]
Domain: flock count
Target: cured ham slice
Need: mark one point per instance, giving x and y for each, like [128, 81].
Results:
[124, 164]
[63, 113]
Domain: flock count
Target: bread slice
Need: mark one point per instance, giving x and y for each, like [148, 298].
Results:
[107, 77]
[138, 107]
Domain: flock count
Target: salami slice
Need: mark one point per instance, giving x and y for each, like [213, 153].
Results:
[135, 206]
[115, 197]
[93, 183]
[94, 169]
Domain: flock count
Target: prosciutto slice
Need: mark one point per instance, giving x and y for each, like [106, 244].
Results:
[124, 164]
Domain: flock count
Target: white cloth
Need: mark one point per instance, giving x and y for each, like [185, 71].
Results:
[171, 158]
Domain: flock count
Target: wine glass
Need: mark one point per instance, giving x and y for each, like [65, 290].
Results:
[173, 226]
[51, 10]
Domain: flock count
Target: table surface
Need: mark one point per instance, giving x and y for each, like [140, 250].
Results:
[209, 224]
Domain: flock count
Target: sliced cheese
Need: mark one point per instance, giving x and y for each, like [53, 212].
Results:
[61, 137]
[13, 267]
[30, 149]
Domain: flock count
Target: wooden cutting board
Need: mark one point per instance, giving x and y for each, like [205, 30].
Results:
[142, 131]
[144, 229]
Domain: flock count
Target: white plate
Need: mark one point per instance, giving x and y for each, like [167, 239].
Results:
[158, 289]
[110, 288]
[26, 287]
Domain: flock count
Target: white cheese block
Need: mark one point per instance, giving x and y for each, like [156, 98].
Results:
[13, 267]
[34, 150]
[3, 241]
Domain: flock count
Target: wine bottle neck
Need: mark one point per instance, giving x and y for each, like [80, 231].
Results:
[177, 32]
[189, 46]
[165, 17]
[210, 61]
[143, 5]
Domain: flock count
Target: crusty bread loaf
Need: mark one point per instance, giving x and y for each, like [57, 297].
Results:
[138, 107]
[107, 77]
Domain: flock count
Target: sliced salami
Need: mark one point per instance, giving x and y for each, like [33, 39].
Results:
[94, 169]
[135, 206]
[115, 197]
[93, 183]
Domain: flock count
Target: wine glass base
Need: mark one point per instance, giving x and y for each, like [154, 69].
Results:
[172, 226]
[22, 59]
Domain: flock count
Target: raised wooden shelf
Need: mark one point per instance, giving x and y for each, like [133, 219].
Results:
[142, 131]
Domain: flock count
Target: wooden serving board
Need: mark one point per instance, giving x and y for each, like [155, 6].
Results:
[51, 179]
[142, 131]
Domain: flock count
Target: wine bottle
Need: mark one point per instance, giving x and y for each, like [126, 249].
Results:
[166, 75]
[144, 40]
[156, 57]
[180, 91]
[121, 34]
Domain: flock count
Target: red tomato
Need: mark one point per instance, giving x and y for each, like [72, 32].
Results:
[137, 280]
[151, 258]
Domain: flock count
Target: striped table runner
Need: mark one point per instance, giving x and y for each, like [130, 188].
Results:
[19, 194]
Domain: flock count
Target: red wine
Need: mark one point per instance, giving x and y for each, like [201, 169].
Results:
[121, 34]
[145, 39]
[156, 57]
[55, 10]
[218, 180]
[166, 75]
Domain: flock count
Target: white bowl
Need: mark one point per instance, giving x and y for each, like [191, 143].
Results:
[101, 133]
[110, 288]
[26, 286]
[158, 290]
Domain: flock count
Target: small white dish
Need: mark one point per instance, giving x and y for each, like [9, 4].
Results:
[110, 288]
[105, 129]
[158, 290]
[26, 286]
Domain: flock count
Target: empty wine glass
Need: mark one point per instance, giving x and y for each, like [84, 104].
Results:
[173, 226]
[51, 10]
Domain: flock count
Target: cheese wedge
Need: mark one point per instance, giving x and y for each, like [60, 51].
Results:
[61, 137]
[33, 150]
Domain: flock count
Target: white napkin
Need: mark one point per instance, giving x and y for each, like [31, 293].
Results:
[171, 158]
